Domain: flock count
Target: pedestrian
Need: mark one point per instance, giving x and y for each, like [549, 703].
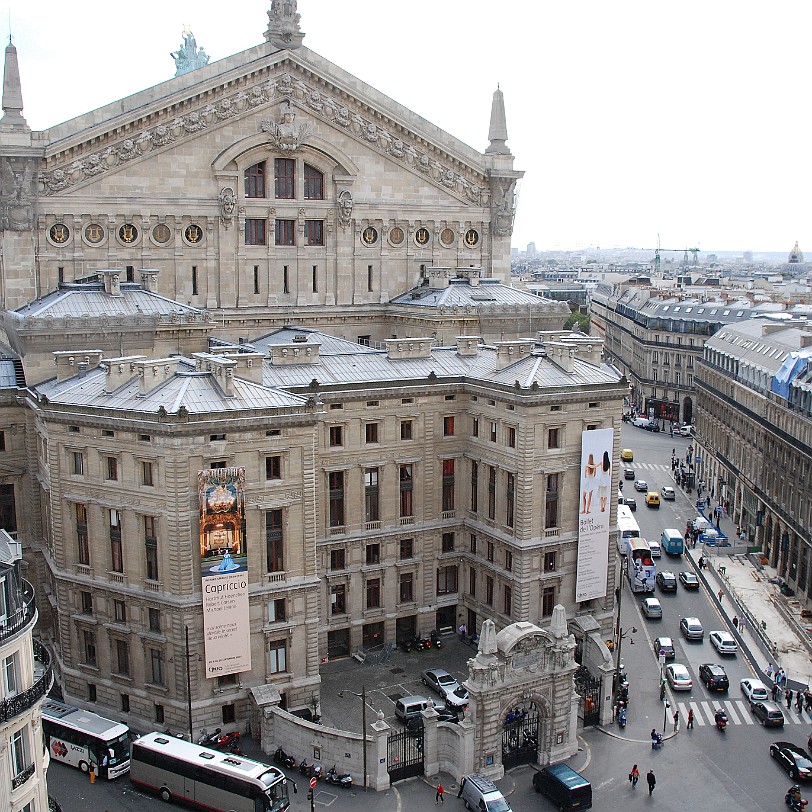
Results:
[462, 784]
[735, 622]
[676, 720]
[651, 780]
[782, 677]
[438, 799]
[775, 690]
[634, 776]
[720, 595]
[707, 503]
[463, 631]
[799, 700]
[789, 698]
[808, 701]
[769, 671]
[690, 725]
[701, 562]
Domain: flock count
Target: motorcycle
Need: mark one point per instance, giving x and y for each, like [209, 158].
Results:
[209, 739]
[721, 720]
[283, 759]
[435, 640]
[405, 646]
[228, 741]
[417, 643]
[793, 799]
[426, 642]
[339, 779]
[656, 741]
[621, 719]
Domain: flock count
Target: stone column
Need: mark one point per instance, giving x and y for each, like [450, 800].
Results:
[431, 761]
[378, 755]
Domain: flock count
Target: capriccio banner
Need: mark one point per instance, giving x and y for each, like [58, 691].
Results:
[224, 571]
[594, 509]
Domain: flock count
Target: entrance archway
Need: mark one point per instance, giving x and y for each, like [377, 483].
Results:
[687, 410]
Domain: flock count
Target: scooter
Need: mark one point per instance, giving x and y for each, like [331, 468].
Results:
[435, 640]
[793, 799]
[405, 646]
[721, 720]
[417, 643]
[341, 780]
[228, 741]
[209, 739]
[656, 741]
[282, 758]
[621, 718]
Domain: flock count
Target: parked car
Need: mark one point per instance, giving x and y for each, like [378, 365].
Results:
[686, 431]
[668, 493]
[630, 502]
[651, 608]
[714, 676]
[769, 713]
[795, 760]
[723, 642]
[688, 580]
[652, 426]
[666, 646]
[458, 698]
[691, 628]
[678, 677]
[640, 485]
[440, 681]
[628, 473]
[755, 690]
[667, 581]
[653, 499]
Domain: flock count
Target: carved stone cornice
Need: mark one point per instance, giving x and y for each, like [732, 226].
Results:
[357, 119]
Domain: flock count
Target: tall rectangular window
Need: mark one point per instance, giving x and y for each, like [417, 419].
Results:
[447, 580]
[315, 279]
[406, 490]
[405, 429]
[156, 659]
[338, 559]
[112, 468]
[508, 604]
[10, 675]
[510, 498]
[336, 436]
[338, 599]
[474, 486]
[154, 619]
[116, 552]
[89, 647]
[285, 232]
[371, 432]
[147, 473]
[373, 553]
[314, 232]
[19, 752]
[448, 426]
[284, 178]
[489, 590]
[151, 547]
[336, 495]
[475, 427]
[120, 611]
[553, 438]
[406, 587]
[78, 463]
[194, 279]
[274, 541]
[255, 180]
[447, 543]
[373, 593]
[551, 501]
[277, 656]
[511, 437]
[472, 582]
[406, 548]
[492, 431]
[87, 603]
[313, 183]
[255, 233]
[122, 658]
[448, 485]
[371, 495]
[547, 600]
[285, 279]
[369, 279]
[508, 560]
[273, 467]
[491, 492]
[256, 279]
[81, 535]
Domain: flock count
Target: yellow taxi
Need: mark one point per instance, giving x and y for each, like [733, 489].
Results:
[627, 455]
[653, 499]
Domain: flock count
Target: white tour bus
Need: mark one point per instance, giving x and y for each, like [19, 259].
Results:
[81, 738]
[626, 525]
[199, 776]
[639, 565]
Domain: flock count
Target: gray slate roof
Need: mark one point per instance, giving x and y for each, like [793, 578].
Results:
[460, 293]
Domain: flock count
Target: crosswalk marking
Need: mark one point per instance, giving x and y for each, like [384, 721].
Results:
[738, 712]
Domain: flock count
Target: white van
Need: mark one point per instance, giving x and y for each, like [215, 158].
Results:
[686, 431]
[640, 422]
[482, 794]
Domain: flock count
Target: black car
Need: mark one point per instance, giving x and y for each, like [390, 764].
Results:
[652, 427]
[630, 503]
[795, 760]
[714, 676]
[415, 724]
[667, 581]
[628, 473]
[689, 580]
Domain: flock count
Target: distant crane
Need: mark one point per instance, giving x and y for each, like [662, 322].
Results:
[658, 251]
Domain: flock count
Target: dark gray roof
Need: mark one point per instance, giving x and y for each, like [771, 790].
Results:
[461, 293]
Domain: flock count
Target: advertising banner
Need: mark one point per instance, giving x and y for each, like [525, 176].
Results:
[594, 509]
[224, 571]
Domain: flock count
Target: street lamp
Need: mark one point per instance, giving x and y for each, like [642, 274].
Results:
[363, 697]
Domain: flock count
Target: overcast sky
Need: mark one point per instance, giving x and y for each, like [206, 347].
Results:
[631, 119]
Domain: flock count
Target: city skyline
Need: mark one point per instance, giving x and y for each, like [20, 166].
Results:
[679, 124]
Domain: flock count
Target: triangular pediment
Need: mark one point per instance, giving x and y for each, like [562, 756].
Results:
[257, 84]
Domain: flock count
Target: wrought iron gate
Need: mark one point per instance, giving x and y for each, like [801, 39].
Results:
[589, 689]
[520, 737]
[404, 754]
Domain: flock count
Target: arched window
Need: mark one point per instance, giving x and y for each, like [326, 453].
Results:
[313, 183]
[255, 180]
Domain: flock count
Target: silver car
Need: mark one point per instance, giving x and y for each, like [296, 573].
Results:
[691, 628]
[440, 681]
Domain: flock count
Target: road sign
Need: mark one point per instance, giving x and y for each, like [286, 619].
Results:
[312, 783]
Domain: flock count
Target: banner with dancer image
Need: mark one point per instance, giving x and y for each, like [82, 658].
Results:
[224, 571]
[594, 509]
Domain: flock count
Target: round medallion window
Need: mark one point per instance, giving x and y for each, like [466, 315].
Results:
[59, 233]
[422, 236]
[369, 236]
[193, 234]
[162, 233]
[396, 235]
[447, 236]
[94, 233]
[472, 238]
[128, 234]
